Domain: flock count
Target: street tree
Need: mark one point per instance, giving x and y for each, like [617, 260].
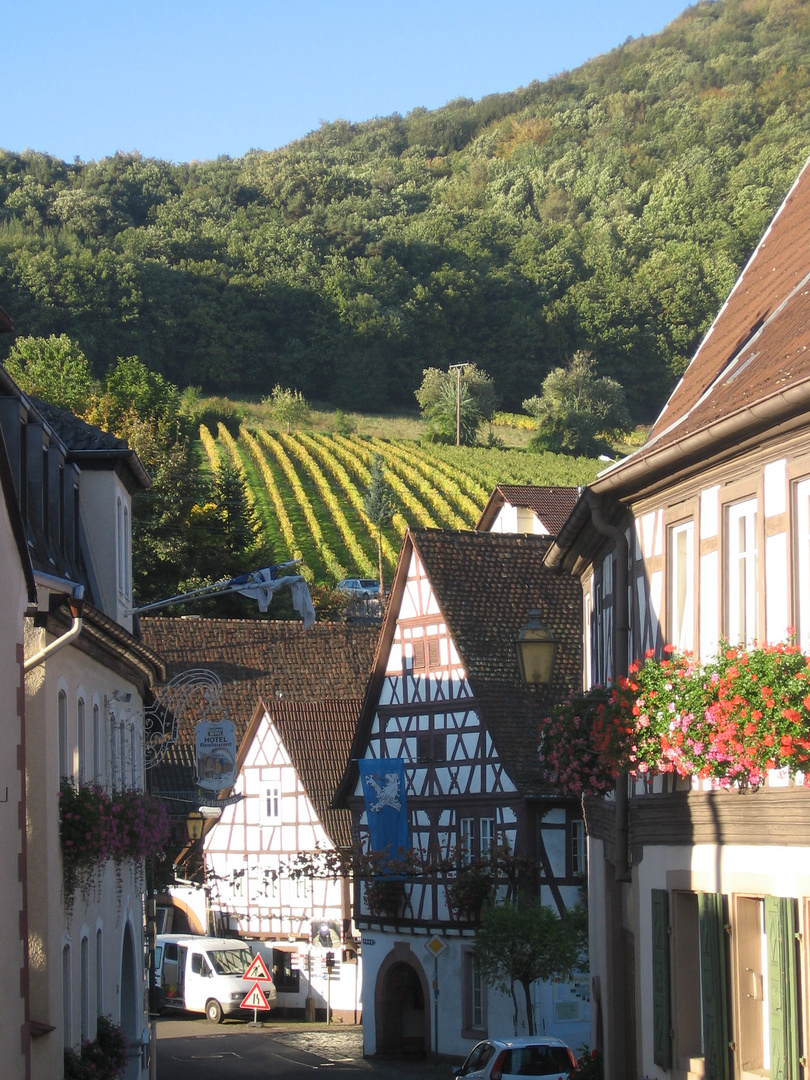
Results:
[379, 505]
[524, 941]
[576, 405]
[453, 403]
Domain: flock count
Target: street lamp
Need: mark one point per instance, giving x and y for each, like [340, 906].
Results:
[536, 649]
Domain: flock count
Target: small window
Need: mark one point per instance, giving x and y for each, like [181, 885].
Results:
[81, 737]
[286, 978]
[67, 999]
[487, 836]
[742, 614]
[85, 990]
[682, 586]
[99, 973]
[431, 746]
[419, 655]
[97, 778]
[466, 839]
[62, 723]
[579, 848]
[474, 1012]
[272, 804]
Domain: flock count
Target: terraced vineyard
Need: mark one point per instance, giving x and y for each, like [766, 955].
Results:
[308, 488]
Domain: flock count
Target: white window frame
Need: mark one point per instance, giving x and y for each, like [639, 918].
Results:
[486, 836]
[579, 848]
[682, 586]
[742, 573]
[801, 546]
[62, 726]
[466, 840]
[81, 737]
[97, 777]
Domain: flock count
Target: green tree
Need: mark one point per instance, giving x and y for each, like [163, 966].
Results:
[131, 387]
[54, 369]
[288, 407]
[379, 505]
[523, 942]
[453, 403]
[576, 405]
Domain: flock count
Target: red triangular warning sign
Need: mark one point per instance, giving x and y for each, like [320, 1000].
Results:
[257, 970]
[254, 998]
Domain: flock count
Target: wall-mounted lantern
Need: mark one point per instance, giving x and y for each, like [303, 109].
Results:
[194, 825]
[536, 649]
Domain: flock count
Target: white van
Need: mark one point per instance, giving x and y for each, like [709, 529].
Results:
[204, 974]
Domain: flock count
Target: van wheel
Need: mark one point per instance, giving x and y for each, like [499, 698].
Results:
[213, 1010]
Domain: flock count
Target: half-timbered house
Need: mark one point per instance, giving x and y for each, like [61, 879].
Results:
[445, 700]
[700, 899]
[294, 696]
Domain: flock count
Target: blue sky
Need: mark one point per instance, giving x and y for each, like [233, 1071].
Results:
[189, 81]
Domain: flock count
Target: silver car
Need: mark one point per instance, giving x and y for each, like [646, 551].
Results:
[360, 588]
[531, 1055]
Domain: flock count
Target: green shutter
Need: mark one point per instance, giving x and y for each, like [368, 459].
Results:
[662, 1012]
[780, 931]
[713, 977]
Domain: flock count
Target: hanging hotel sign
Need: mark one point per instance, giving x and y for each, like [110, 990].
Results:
[216, 754]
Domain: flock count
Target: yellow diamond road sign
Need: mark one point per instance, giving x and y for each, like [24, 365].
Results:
[436, 946]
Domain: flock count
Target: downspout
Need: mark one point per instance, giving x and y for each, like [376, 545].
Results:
[621, 661]
[76, 602]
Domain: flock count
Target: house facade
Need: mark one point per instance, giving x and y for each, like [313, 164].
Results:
[270, 858]
[85, 679]
[17, 592]
[700, 898]
[445, 701]
[527, 508]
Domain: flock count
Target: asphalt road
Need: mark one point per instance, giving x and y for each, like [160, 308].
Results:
[189, 1048]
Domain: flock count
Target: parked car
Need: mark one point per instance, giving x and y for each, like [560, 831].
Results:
[363, 588]
[531, 1055]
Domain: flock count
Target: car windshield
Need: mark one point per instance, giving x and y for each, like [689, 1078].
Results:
[536, 1061]
[230, 961]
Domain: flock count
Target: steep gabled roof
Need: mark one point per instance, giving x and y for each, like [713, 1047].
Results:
[277, 662]
[318, 737]
[485, 584]
[552, 505]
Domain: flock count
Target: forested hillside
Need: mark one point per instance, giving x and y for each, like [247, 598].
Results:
[609, 208]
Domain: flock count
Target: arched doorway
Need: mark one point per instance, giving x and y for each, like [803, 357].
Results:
[402, 1006]
[131, 1014]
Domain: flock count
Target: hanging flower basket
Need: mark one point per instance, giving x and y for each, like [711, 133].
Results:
[384, 898]
[469, 891]
[96, 827]
[730, 722]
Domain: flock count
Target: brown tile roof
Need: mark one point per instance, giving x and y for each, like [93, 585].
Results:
[551, 504]
[756, 349]
[277, 662]
[485, 585]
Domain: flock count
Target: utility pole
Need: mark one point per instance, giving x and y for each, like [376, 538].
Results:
[458, 368]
